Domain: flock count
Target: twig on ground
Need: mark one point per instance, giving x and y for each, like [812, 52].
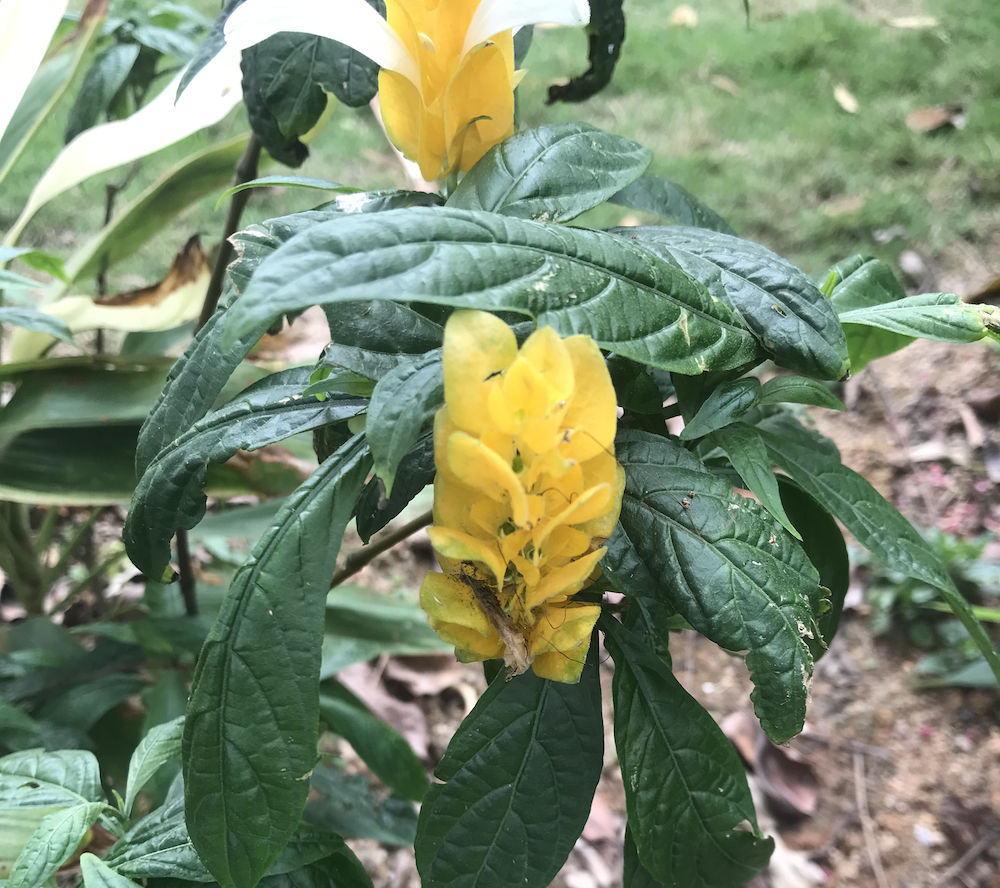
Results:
[985, 842]
[850, 745]
[867, 826]
[357, 560]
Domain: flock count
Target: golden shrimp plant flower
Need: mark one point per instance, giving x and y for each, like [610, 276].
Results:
[447, 76]
[527, 489]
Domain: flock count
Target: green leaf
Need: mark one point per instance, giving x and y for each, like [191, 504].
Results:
[685, 788]
[416, 470]
[402, 406]
[251, 730]
[104, 78]
[605, 35]
[166, 41]
[746, 451]
[37, 259]
[578, 282]
[283, 147]
[97, 874]
[875, 524]
[39, 779]
[520, 777]
[864, 282]
[824, 544]
[170, 493]
[158, 747]
[47, 87]
[635, 389]
[793, 320]
[379, 334]
[52, 844]
[142, 218]
[158, 847]
[361, 624]
[551, 174]
[728, 403]
[339, 870]
[661, 197]
[286, 182]
[940, 316]
[798, 390]
[31, 319]
[723, 564]
[383, 749]
[348, 805]
[83, 705]
[635, 875]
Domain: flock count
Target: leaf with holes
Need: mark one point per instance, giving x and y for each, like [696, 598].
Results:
[722, 563]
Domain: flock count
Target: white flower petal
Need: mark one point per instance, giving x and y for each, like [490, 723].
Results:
[213, 93]
[494, 16]
[26, 29]
[352, 22]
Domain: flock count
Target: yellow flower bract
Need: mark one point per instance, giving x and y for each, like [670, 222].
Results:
[527, 489]
[465, 103]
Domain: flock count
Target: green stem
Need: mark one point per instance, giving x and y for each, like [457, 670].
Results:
[87, 580]
[22, 561]
[45, 530]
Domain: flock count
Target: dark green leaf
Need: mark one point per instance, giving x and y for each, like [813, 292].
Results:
[383, 749]
[97, 874]
[251, 729]
[551, 174]
[361, 625]
[387, 330]
[402, 406]
[635, 875]
[635, 389]
[53, 842]
[723, 564]
[668, 200]
[104, 78]
[349, 806]
[82, 705]
[520, 777]
[349, 75]
[793, 320]
[522, 43]
[306, 846]
[746, 451]
[170, 493]
[363, 362]
[39, 779]
[166, 41]
[728, 403]
[576, 281]
[158, 747]
[158, 847]
[685, 787]
[284, 148]
[798, 390]
[341, 870]
[875, 524]
[210, 46]
[416, 471]
[824, 544]
[605, 35]
[31, 319]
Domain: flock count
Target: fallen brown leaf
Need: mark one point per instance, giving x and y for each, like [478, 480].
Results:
[927, 120]
[843, 206]
[726, 84]
[189, 264]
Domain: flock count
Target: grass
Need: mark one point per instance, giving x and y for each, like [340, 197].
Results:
[782, 161]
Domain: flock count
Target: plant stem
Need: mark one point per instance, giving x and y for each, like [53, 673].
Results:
[246, 171]
[20, 561]
[185, 569]
[43, 539]
[93, 575]
[54, 573]
[357, 560]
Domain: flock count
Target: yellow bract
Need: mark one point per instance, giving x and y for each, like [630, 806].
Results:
[464, 104]
[527, 490]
